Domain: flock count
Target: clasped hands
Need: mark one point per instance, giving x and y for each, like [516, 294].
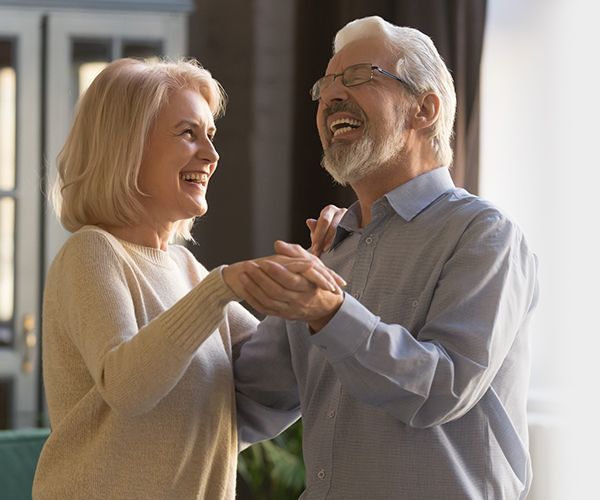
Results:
[293, 284]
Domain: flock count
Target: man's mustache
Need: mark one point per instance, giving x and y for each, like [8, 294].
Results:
[343, 106]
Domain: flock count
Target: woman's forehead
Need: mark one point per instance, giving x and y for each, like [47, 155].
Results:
[188, 104]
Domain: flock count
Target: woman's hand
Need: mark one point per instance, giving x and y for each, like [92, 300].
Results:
[322, 231]
[302, 273]
[294, 285]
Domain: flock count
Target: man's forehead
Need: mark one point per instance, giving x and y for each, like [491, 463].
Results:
[365, 50]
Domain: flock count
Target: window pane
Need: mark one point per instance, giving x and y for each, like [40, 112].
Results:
[7, 260]
[142, 49]
[8, 115]
[89, 58]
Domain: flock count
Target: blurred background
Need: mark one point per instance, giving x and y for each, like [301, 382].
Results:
[526, 137]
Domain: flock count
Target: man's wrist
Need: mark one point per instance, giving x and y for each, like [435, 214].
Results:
[319, 323]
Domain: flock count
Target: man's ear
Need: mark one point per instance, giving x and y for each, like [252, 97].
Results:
[427, 112]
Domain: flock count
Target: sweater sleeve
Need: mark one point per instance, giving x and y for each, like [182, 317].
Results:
[132, 367]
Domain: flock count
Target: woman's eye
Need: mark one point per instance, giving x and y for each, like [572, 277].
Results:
[188, 132]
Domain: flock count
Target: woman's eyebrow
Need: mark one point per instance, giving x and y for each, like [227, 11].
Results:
[191, 123]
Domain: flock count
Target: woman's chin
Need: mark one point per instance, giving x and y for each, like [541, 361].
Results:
[201, 209]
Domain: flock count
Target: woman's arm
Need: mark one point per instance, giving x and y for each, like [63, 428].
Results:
[134, 363]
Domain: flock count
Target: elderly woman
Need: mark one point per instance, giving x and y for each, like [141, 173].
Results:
[138, 336]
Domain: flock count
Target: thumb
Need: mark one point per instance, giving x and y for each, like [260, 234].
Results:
[312, 226]
[288, 249]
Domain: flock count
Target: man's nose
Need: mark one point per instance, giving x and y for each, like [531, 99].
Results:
[336, 91]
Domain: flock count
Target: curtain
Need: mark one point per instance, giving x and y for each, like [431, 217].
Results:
[455, 26]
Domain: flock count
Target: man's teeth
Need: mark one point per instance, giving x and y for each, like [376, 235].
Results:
[343, 125]
[199, 178]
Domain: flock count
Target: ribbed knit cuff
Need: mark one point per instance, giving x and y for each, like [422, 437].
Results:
[198, 313]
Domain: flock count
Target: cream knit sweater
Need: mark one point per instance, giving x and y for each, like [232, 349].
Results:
[137, 357]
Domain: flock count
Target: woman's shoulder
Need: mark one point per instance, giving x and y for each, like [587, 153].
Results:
[92, 239]
[89, 257]
[88, 245]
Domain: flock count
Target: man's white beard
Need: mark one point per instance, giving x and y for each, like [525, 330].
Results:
[350, 163]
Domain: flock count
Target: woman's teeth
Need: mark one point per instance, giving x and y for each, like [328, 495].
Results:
[196, 177]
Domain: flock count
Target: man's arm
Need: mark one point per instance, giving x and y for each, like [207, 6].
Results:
[264, 371]
[266, 388]
[437, 374]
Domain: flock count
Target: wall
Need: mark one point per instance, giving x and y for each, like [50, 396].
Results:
[246, 45]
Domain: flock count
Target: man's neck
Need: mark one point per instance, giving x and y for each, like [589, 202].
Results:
[372, 187]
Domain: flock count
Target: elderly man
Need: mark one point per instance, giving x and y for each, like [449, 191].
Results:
[412, 383]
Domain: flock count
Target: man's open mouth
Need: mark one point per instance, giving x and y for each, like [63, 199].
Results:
[343, 125]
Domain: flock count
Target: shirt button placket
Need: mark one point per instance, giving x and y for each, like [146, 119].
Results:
[324, 468]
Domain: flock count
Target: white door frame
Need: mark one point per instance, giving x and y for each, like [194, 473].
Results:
[24, 25]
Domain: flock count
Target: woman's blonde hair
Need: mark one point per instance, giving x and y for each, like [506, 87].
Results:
[98, 167]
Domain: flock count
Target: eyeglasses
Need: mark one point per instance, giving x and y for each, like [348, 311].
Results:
[352, 76]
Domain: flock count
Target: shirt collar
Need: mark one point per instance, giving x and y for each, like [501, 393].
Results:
[407, 200]
[411, 198]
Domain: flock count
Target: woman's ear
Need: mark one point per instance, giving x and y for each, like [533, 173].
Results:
[427, 112]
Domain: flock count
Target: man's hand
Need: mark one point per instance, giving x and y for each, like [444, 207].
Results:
[322, 231]
[305, 272]
[272, 288]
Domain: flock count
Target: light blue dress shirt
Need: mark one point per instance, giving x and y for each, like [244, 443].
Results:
[417, 388]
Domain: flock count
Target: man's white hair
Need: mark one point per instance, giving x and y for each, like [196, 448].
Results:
[419, 64]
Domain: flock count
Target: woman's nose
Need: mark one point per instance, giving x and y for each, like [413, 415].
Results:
[207, 152]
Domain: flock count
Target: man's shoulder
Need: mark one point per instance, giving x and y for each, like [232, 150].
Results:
[459, 203]
[459, 214]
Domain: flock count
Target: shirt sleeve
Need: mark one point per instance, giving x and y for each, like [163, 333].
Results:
[242, 324]
[437, 374]
[267, 394]
[133, 367]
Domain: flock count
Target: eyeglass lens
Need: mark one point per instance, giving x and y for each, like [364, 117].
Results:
[351, 76]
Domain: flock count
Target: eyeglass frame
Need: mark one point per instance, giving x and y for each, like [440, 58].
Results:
[374, 68]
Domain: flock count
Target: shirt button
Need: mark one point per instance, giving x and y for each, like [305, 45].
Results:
[369, 240]
[331, 414]
[321, 474]
[356, 295]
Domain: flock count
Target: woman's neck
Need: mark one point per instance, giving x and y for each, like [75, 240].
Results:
[143, 235]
